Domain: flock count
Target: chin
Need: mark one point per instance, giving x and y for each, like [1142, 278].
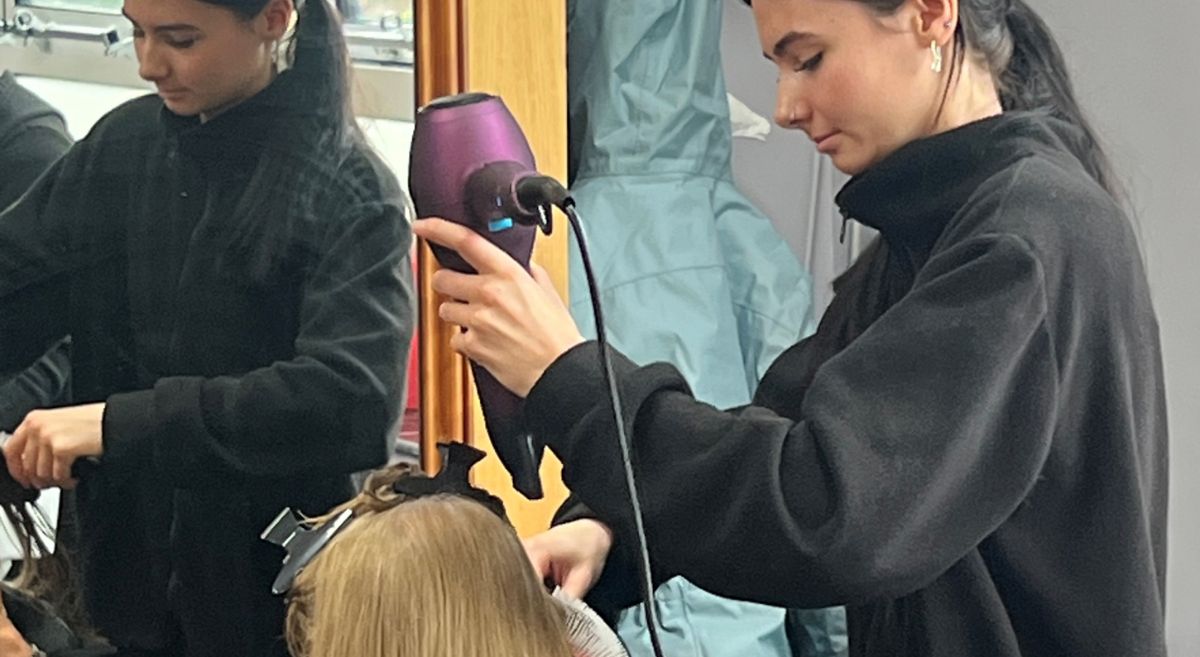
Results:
[852, 161]
[182, 108]
[848, 165]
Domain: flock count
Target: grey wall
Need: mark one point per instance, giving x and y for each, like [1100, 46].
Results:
[1136, 69]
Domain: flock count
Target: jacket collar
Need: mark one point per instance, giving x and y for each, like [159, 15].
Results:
[277, 118]
[913, 193]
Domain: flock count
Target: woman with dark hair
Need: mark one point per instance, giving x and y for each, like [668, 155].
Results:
[971, 451]
[231, 262]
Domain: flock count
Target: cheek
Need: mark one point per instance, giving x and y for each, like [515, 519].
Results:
[872, 104]
[205, 72]
[842, 99]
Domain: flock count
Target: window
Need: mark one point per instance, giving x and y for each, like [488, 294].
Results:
[90, 41]
[106, 6]
[379, 30]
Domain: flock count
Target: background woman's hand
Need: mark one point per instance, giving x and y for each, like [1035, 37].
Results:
[515, 324]
[572, 555]
[43, 449]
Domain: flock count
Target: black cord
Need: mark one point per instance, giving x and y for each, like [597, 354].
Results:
[622, 438]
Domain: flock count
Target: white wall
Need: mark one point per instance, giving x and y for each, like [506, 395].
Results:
[82, 104]
[1135, 67]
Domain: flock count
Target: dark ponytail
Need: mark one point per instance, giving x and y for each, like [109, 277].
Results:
[316, 54]
[1030, 72]
[314, 131]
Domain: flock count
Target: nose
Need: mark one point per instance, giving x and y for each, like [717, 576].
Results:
[792, 109]
[152, 65]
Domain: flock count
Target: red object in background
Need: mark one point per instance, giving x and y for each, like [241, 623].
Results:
[414, 358]
[414, 377]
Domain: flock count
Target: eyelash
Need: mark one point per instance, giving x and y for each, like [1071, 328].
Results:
[811, 63]
[180, 45]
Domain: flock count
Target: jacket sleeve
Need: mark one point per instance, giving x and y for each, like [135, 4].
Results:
[915, 443]
[37, 251]
[28, 153]
[330, 409]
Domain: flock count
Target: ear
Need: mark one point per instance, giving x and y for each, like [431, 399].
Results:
[934, 20]
[276, 18]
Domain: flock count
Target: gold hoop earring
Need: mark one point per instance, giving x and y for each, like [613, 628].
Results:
[937, 56]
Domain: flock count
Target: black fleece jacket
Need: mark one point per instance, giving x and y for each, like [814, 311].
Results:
[233, 389]
[970, 453]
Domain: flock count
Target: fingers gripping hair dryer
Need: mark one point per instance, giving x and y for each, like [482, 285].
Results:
[471, 164]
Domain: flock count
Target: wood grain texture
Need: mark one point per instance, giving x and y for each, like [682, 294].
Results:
[518, 50]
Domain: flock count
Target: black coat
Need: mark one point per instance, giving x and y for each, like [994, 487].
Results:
[32, 137]
[970, 453]
[251, 348]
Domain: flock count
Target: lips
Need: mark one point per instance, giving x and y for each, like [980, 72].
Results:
[822, 141]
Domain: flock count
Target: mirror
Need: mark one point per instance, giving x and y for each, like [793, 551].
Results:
[77, 55]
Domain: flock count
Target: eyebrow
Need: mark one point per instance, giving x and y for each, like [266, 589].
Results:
[170, 27]
[786, 42]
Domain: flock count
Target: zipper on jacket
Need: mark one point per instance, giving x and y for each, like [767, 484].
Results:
[845, 220]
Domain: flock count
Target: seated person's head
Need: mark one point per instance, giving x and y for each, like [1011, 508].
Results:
[438, 574]
[42, 605]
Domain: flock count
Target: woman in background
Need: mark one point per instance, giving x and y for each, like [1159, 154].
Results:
[231, 262]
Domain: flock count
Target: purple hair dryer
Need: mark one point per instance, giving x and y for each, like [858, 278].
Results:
[470, 164]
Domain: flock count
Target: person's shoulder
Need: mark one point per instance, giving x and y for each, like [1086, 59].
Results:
[1045, 195]
[361, 177]
[20, 108]
[1074, 228]
[133, 118]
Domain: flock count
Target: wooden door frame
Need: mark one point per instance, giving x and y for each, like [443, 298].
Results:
[440, 71]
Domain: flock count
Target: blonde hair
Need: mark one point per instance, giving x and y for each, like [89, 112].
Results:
[436, 575]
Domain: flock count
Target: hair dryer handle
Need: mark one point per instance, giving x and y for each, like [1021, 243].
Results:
[518, 450]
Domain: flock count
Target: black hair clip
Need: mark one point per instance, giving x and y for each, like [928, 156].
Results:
[303, 544]
[453, 479]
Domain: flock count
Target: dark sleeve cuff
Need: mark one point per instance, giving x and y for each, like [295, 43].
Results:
[569, 410]
[617, 586]
[569, 389]
[127, 430]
